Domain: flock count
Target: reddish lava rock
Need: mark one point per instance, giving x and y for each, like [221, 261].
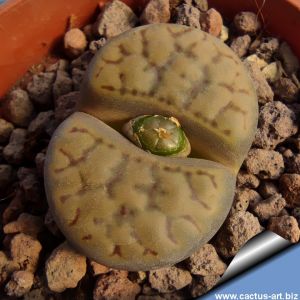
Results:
[285, 226]
[25, 251]
[64, 268]
[206, 262]
[247, 180]
[211, 22]
[169, 279]
[276, 123]
[26, 223]
[156, 11]
[265, 164]
[290, 189]
[246, 23]
[19, 284]
[202, 285]
[267, 189]
[98, 269]
[270, 207]
[114, 286]
[236, 231]
[243, 198]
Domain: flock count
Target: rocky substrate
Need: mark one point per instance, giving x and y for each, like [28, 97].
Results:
[37, 263]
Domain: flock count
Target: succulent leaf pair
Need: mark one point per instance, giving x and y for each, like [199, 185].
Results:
[127, 208]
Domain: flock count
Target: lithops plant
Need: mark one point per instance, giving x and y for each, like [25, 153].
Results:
[131, 209]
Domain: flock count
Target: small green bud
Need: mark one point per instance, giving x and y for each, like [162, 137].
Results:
[159, 135]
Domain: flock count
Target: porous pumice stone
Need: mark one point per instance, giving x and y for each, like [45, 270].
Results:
[126, 208]
[178, 71]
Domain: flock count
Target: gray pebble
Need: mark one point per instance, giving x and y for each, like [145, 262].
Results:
[14, 152]
[63, 84]
[6, 175]
[77, 77]
[115, 18]
[188, 15]
[18, 108]
[6, 129]
[40, 89]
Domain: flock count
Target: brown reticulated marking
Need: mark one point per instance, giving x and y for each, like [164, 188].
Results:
[119, 201]
[180, 71]
[76, 217]
[87, 237]
[117, 251]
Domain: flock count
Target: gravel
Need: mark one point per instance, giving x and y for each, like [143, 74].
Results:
[35, 260]
[156, 11]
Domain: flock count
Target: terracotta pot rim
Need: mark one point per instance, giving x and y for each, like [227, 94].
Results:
[38, 32]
